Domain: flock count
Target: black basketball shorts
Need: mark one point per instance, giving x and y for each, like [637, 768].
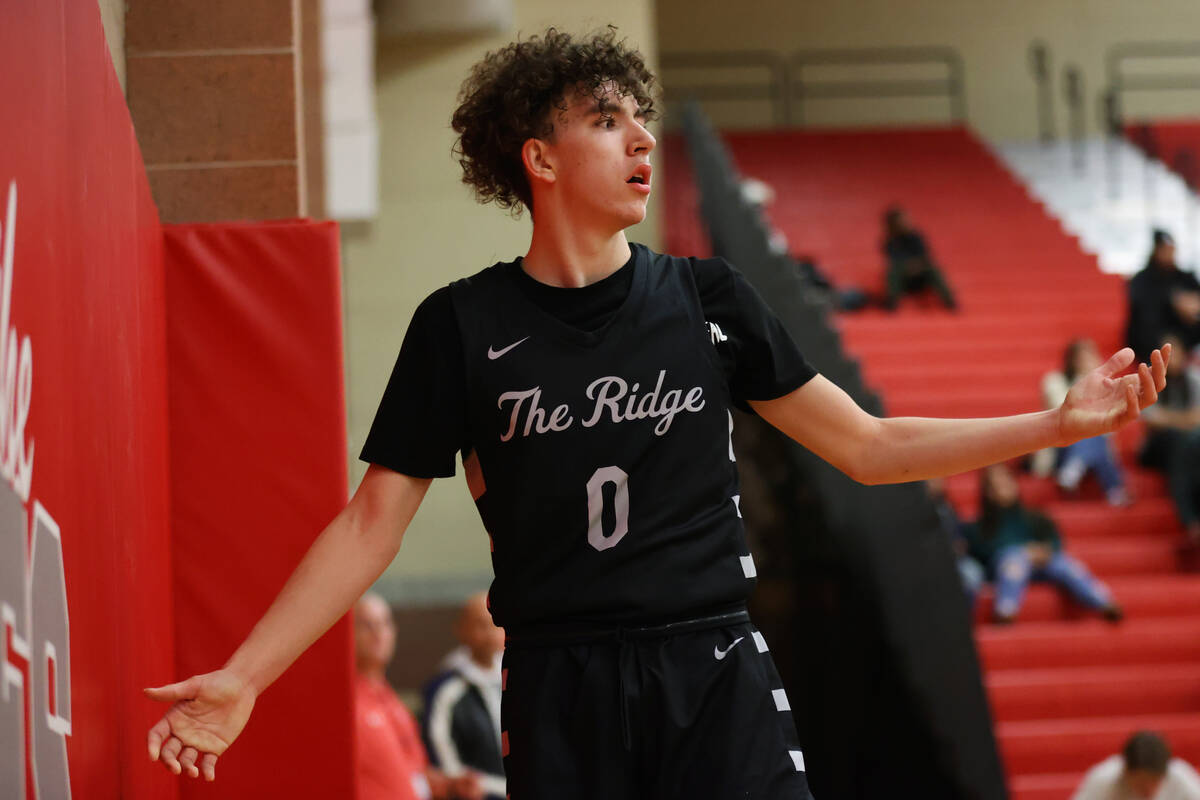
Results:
[689, 711]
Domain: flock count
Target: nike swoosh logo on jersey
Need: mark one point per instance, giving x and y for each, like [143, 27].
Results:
[494, 354]
[720, 654]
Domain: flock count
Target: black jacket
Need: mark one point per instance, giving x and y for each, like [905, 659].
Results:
[461, 723]
[1151, 314]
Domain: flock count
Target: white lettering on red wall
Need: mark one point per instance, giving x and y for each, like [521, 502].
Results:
[35, 643]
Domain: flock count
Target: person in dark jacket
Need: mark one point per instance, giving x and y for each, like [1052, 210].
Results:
[1163, 300]
[462, 703]
[1172, 442]
[1018, 544]
[969, 570]
[910, 264]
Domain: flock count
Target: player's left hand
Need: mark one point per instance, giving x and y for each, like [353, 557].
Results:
[1100, 402]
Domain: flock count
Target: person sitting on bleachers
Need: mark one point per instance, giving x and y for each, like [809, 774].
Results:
[1144, 770]
[819, 288]
[1017, 544]
[1173, 440]
[1163, 300]
[462, 703]
[910, 264]
[1095, 455]
[970, 571]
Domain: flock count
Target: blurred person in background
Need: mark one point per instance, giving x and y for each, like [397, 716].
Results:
[1017, 544]
[391, 760]
[1173, 440]
[1143, 771]
[820, 288]
[1095, 455]
[969, 570]
[1163, 300]
[462, 703]
[910, 267]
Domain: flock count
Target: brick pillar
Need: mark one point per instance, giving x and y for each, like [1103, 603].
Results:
[223, 106]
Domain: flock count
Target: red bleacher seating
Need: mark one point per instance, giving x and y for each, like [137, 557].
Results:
[1066, 688]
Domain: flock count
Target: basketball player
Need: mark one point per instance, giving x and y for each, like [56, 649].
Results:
[588, 386]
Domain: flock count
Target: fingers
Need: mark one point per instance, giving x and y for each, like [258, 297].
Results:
[1158, 365]
[170, 754]
[174, 692]
[1131, 403]
[208, 767]
[1147, 393]
[1119, 362]
[187, 761]
[158, 735]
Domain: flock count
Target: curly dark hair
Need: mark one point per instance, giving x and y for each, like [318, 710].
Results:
[511, 94]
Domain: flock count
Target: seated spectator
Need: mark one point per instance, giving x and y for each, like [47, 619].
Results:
[1173, 439]
[1163, 300]
[969, 570]
[462, 704]
[1144, 770]
[1094, 455]
[910, 264]
[391, 761]
[1016, 544]
[760, 195]
[820, 289]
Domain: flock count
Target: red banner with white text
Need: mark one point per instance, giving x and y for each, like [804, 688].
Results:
[85, 583]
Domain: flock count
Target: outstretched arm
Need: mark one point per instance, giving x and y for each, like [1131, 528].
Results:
[210, 710]
[871, 450]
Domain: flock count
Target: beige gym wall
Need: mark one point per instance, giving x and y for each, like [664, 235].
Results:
[112, 14]
[992, 37]
[430, 231]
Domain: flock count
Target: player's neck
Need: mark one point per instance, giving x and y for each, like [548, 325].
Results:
[569, 255]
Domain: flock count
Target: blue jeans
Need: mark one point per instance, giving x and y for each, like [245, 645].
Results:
[1014, 571]
[1094, 455]
[972, 575]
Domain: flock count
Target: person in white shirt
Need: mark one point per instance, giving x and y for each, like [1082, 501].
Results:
[1144, 770]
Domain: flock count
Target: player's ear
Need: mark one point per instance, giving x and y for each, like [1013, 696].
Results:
[538, 160]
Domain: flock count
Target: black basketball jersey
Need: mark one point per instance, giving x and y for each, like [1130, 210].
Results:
[602, 465]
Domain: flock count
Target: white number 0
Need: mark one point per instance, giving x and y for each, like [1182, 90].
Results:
[595, 492]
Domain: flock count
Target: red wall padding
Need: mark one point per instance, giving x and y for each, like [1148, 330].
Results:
[258, 467]
[87, 291]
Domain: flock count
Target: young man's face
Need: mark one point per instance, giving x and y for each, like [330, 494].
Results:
[600, 151]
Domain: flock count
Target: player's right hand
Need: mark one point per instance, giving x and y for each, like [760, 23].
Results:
[207, 713]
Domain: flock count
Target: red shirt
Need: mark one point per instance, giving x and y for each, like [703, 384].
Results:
[391, 757]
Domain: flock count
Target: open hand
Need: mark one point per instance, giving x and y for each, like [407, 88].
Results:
[1101, 402]
[207, 714]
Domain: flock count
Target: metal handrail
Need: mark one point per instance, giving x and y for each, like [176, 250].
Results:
[1073, 94]
[1119, 82]
[952, 86]
[1039, 63]
[775, 89]
[786, 87]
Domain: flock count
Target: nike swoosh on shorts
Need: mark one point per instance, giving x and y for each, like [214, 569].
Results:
[720, 654]
[494, 354]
